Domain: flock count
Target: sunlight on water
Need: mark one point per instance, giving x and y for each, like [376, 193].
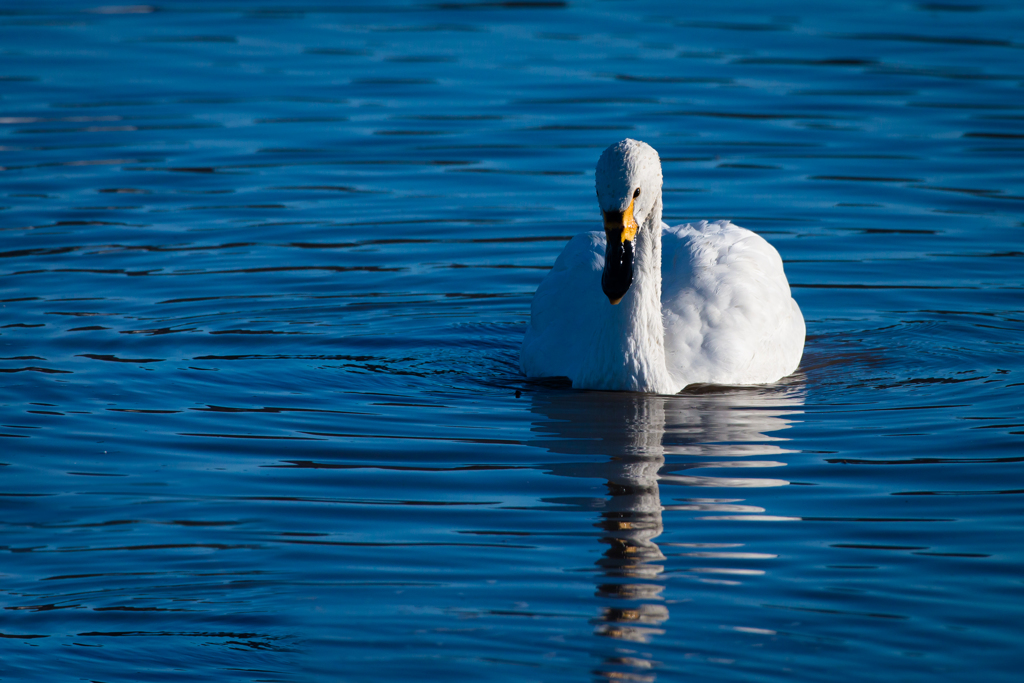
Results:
[264, 274]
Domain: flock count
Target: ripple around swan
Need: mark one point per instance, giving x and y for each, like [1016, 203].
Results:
[264, 274]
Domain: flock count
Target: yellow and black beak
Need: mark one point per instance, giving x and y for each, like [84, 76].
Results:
[620, 228]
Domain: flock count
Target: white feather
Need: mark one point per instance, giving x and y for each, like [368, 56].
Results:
[710, 302]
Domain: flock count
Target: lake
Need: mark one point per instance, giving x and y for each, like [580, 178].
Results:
[265, 273]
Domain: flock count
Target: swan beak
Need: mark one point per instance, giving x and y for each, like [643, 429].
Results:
[620, 229]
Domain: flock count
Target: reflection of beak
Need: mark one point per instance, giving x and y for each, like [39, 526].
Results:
[620, 229]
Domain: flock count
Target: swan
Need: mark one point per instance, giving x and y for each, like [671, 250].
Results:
[649, 308]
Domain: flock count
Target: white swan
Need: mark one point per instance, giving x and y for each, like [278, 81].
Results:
[703, 303]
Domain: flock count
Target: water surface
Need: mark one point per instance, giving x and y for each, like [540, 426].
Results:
[266, 269]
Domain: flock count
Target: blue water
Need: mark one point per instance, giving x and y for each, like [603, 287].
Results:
[266, 269]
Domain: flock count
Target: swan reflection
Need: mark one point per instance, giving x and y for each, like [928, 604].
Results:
[637, 444]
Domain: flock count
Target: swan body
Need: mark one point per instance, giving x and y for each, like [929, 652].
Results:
[700, 303]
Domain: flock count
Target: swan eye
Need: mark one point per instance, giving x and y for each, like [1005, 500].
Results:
[637, 193]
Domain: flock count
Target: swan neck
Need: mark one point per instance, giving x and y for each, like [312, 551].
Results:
[628, 351]
[646, 329]
[647, 262]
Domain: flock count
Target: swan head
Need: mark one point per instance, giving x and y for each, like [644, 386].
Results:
[628, 183]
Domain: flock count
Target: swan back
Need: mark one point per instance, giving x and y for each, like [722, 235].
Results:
[728, 312]
[566, 310]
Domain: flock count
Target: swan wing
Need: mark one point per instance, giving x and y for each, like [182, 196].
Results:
[565, 310]
[728, 312]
